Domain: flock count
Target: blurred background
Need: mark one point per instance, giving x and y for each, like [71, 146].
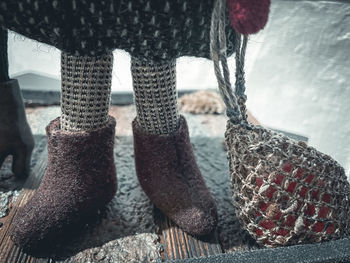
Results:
[297, 69]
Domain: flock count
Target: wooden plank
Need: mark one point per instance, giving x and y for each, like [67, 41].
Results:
[180, 245]
[9, 252]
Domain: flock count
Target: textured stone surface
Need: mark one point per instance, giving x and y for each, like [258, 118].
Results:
[6, 199]
[134, 249]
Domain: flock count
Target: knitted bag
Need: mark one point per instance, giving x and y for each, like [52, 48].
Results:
[284, 192]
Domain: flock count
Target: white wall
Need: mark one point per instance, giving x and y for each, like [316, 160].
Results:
[298, 72]
[299, 79]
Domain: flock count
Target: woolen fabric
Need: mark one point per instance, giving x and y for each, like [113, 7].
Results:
[147, 29]
[249, 16]
[80, 178]
[168, 173]
[4, 62]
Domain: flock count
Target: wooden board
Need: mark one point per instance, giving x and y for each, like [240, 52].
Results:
[9, 252]
[180, 245]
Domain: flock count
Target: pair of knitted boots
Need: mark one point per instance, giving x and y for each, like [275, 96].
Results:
[81, 174]
[81, 178]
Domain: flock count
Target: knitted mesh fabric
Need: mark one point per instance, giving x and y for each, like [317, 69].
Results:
[86, 88]
[285, 192]
[155, 96]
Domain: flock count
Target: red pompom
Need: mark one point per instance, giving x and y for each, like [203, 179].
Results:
[249, 16]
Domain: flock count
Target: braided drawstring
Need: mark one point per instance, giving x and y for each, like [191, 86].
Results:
[233, 99]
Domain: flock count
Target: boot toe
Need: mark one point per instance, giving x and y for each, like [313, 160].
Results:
[196, 221]
[29, 230]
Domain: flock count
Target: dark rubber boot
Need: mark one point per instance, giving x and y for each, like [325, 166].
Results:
[168, 173]
[16, 138]
[80, 179]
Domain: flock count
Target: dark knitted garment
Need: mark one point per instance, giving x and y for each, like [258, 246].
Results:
[169, 175]
[80, 178]
[147, 29]
[4, 63]
[16, 138]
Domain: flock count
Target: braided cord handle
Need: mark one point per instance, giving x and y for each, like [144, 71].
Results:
[233, 99]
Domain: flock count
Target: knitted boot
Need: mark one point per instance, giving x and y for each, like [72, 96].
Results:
[165, 162]
[80, 176]
[168, 173]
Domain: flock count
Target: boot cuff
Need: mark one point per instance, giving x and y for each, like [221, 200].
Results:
[182, 130]
[54, 129]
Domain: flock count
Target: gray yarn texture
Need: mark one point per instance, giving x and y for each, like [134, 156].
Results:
[155, 96]
[86, 89]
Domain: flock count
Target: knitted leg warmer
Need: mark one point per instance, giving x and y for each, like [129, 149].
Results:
[4, 64]
[86, 88]
[155, 96]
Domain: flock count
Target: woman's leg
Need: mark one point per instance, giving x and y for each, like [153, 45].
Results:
[164, 158]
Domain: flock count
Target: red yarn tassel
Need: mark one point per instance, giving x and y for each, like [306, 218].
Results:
[249, 16]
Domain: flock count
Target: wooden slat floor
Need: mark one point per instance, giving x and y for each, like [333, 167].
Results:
[180, 245]
[176, 243]
[9, 252]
